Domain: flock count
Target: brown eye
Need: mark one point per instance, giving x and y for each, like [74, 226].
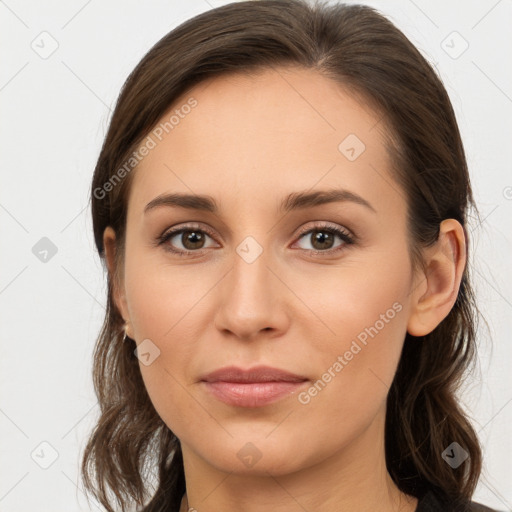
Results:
[323, 239]
[192, 239]
[185, 241]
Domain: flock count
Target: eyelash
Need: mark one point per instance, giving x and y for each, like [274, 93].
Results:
[347, 238]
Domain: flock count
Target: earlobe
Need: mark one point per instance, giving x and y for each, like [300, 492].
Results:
[109, 243]
[444, 266]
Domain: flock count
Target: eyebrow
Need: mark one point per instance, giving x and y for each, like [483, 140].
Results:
[294, 201]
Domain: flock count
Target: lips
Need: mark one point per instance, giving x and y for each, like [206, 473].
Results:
[253, 375]
[253, 387]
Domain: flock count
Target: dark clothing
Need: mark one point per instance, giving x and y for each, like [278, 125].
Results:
[431, 503]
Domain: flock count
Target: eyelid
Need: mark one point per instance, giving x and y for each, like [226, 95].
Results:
[190, 226]
[323, 224]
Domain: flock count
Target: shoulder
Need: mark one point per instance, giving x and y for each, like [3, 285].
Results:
[431, 502]
[478, 507]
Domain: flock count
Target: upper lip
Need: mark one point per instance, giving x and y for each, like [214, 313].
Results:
[255, 374]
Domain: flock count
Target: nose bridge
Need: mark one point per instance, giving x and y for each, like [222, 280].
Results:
[250, 298]
[250, 277]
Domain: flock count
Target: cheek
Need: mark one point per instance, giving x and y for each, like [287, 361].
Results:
[365, 311]
[361, 300]
[355, 371]
[164, 305]
[162, 298]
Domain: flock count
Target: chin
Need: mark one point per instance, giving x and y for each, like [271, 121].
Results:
[248, 454]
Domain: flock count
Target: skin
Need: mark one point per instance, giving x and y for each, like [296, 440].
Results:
[249, 142]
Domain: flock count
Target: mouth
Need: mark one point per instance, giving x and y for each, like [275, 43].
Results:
[254, 387]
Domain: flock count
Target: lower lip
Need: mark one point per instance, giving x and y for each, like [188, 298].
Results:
[252, 394]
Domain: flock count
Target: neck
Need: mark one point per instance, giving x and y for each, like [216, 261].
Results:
[355, 478]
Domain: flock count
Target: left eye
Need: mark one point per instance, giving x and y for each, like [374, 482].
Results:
[322, 239]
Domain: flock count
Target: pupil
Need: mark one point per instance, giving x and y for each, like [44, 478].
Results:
[322, 236]
[193, 238]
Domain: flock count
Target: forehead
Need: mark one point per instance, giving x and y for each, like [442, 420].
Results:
[255, 136]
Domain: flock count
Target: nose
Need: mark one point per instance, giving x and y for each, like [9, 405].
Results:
[252, 300]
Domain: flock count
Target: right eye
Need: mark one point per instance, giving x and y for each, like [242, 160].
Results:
[191, 238]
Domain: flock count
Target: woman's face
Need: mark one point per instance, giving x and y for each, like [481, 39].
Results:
[267, 281]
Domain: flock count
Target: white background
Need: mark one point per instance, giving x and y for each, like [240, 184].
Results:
[55, 112]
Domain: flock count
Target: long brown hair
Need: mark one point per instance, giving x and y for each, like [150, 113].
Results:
[365, 53]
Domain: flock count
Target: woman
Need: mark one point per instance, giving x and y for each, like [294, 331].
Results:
[281, 203]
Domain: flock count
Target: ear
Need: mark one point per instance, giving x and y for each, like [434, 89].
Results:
[437, 288]
[119, 296]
